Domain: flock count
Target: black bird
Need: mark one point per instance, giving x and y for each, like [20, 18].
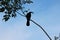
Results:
[28, 17]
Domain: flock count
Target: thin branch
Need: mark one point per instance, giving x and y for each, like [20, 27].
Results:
[22, 11]
[41, 28]
[20, 14]
[38, 26]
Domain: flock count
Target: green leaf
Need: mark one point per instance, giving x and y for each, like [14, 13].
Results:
[7, 1]
[2, 9]
[14, 15]
[6, 17]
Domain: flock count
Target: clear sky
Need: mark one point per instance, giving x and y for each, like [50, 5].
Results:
[46, 13]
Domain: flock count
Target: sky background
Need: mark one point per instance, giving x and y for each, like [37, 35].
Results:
[46, 13]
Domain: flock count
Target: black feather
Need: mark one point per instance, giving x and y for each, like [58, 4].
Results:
[28, 17]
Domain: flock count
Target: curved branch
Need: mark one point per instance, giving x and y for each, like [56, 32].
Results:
[38, 26]
[41, 28]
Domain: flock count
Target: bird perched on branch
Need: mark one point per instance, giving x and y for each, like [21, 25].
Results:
[28, 17]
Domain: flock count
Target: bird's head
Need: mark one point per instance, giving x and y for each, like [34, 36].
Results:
[31, 12]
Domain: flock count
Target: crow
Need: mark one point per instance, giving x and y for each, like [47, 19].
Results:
[28, 17]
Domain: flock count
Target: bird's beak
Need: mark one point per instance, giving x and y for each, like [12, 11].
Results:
[32, 12]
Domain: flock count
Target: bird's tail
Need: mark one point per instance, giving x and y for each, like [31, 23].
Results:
[28, 23]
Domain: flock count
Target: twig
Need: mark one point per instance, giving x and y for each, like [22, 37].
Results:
[20, 14]
[22, 11]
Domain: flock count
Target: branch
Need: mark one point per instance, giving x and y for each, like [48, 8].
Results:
[20, 14]
[41, 28]
[23, 12]
[38, 26]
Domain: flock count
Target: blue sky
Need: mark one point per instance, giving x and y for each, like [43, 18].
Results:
[46, 13]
